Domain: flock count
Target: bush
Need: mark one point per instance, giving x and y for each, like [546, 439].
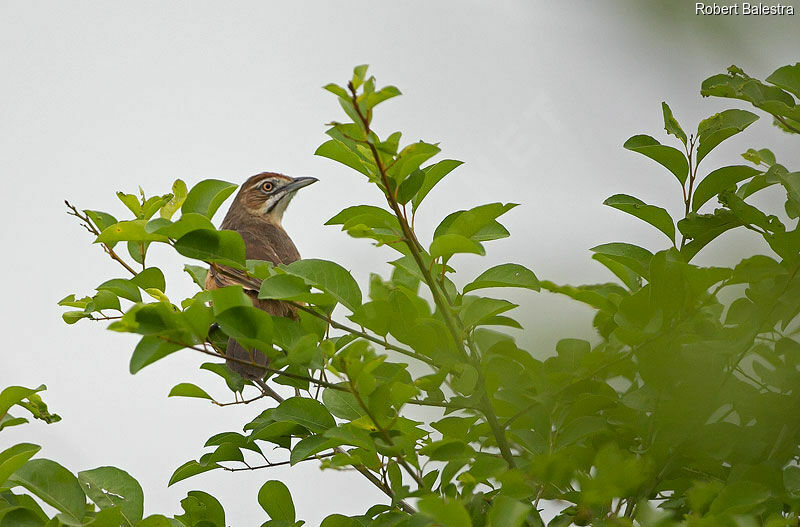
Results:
[685, 412]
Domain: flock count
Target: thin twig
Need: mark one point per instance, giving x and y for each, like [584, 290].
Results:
[91, 228]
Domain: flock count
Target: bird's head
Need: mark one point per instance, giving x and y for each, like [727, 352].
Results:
[267, 194]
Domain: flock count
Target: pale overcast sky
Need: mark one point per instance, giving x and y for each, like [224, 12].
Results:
[536, 97]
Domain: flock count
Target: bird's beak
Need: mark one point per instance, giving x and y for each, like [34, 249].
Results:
[299, 182]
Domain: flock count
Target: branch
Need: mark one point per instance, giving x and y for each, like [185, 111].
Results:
[787, 125]
[91, 228]
[278, 464]
[439, 295]
[267, 390]
[254, 283]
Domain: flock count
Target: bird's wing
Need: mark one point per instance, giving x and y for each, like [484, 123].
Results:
[223, 276]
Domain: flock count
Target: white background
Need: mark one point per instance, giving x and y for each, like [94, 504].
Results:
[536, 97]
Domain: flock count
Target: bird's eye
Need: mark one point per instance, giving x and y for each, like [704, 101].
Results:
[267, 186]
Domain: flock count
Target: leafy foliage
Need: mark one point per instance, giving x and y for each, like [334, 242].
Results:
[681, 413]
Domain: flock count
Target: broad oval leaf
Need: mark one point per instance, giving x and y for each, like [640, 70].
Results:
[715, 129]
[133, 231]
[788, 78]
[187, 389]
[150, 278]
[191, 221]
[149, 350]
[433, 174]
[505, 275]
[342, 404]
[446, 245]
[206, 197]
[635, 258]
[14, 457]
[329, 277]
[308, 413]
[476, 309]
[275, 499]
[110, 487]
[339, 152]
[53, 484]
[189, 469]
[201, 510]
[719, 180]
[670, 158]
[446, 512]
[655, 216]
[223, 247]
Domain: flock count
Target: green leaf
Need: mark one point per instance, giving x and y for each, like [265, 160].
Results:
[375, 98]
[150, 278]
[410, 158]
[201, 510]
[433, 174]
[7, 421]
[476, 309]
[275, 499]
[156, 520]
[132, 202]
[342, 404]
[446, 245]
[740, 497]
[233, 380]
[655, 216]
[505, 275]
[703, 228]
[191, 221]
[250, 326]
[671, 124]
[329, 277]
[222, 247]
[719, 180]
[337, 90]
[14, 457]
[715, 129]
[788, 78]
[338, 152]
[359, 73]
[308, 446]
[54, 485]
[110, 487]
[133, 231]
[631, 280]
[149, 350]
[102, 220]
[763, 156]
[189, 469]
[206, 197]
[738, 85]
[198, 274]
[12, 395]
[123, 288]
[186, 389]
[670, 158]
[178, 197]
[308, 413]
[446, 512]
[409, 188]
[635, 258]
[507, 512]
[290, 287]
[472, 223]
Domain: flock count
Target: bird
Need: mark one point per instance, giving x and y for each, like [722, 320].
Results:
[256, 214]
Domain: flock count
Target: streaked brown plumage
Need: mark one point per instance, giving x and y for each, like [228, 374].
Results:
[256, 214]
